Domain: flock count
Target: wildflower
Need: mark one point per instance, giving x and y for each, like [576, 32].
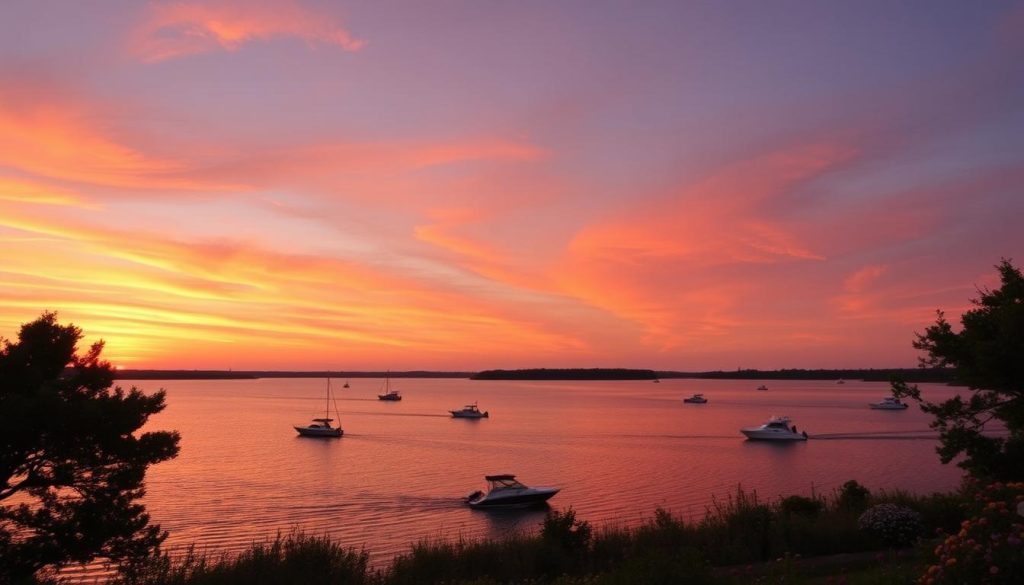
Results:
[993, 570]
[950, 561]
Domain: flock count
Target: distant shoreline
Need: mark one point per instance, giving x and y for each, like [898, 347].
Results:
[911, 375]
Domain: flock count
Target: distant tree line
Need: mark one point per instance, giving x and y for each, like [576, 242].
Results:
[936, 375]
[567, 374]
[127, 374]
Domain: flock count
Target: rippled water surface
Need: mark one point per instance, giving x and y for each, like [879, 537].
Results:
[618, 449]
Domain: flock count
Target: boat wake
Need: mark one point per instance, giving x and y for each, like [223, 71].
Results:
[921, 435]
[427, 414]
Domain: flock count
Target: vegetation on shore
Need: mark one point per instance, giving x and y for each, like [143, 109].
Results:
[567, 374]
[740, 539]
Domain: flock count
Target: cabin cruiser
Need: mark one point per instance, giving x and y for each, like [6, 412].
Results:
[320, 427]
[696, 399]
[505, 491]
[776, 429]
[469, 411]
[889, 403]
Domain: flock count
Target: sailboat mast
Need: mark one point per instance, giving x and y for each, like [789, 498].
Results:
[327, 411]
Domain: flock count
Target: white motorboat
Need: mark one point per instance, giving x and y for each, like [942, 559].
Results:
[762, 388]
[321, 427]
[469, 411]
[776, 429]
[505, 491]
[889, 403]
[696, 399]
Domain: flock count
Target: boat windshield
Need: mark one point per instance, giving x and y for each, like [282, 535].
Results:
[777, 424]
[502, 483]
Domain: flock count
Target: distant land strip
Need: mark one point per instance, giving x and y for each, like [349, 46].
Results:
[912, 375]
[128, 374]
[567, 374]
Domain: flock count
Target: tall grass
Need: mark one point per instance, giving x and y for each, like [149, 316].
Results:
[741, 529]
[294, 558]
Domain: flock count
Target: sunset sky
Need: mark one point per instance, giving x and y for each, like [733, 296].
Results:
[308, 184]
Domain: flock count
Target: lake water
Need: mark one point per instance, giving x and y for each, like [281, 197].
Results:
[618, 449]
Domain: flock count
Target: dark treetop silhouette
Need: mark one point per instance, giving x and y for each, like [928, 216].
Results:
[989, 356]
[71, 463]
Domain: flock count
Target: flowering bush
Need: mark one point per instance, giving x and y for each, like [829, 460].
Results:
[892, 524]
[989, 548]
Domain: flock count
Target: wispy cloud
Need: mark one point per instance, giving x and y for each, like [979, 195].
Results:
[179, 29]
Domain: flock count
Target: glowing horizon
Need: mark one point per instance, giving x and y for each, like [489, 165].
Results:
[307, 185]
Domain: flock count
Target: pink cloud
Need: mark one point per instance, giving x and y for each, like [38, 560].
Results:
[674, 266]
[178, 29]
[861, 279]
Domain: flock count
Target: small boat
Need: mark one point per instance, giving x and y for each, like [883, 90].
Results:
[776, 429]
[840, 381]
[321, 427]
[657, 381]
[889, 403]
[469, 411]
[346, 385]
[389, 394]
[762, 388]
[505, 491]
[696, 399]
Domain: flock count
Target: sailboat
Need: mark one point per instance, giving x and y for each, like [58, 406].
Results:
[389, 394]
[321, 427]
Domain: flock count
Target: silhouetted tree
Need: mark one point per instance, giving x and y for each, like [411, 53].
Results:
[71, 463]
[988, 354]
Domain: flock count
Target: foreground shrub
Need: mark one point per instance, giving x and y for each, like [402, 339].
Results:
[853, 496]
[891, 524]
[989, 548]
[295, 558]
[801, 506]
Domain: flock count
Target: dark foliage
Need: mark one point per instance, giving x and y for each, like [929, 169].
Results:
[988, 353]
[853, 496]
[801, 506]
[567, 374]
[295, 558]
[71, 466]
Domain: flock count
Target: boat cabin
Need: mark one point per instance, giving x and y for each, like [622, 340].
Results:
[499, 482]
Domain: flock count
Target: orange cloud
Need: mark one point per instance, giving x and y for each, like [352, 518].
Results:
[178, 29]
[16, 190]
[163, 302]
[672, 266]
[861, 279]
[65, 141]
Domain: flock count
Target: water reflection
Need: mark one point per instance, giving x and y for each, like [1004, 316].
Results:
[399, 474]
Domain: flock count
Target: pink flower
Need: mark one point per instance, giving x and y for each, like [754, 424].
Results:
[993, 570]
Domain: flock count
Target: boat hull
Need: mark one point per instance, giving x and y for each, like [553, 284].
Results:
[524, 499]
[768, 435]
[458, 414]
[692, 401]
[888, 406]
[314, 432]
[388, 397]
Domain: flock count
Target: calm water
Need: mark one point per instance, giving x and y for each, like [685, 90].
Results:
[618, 449]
